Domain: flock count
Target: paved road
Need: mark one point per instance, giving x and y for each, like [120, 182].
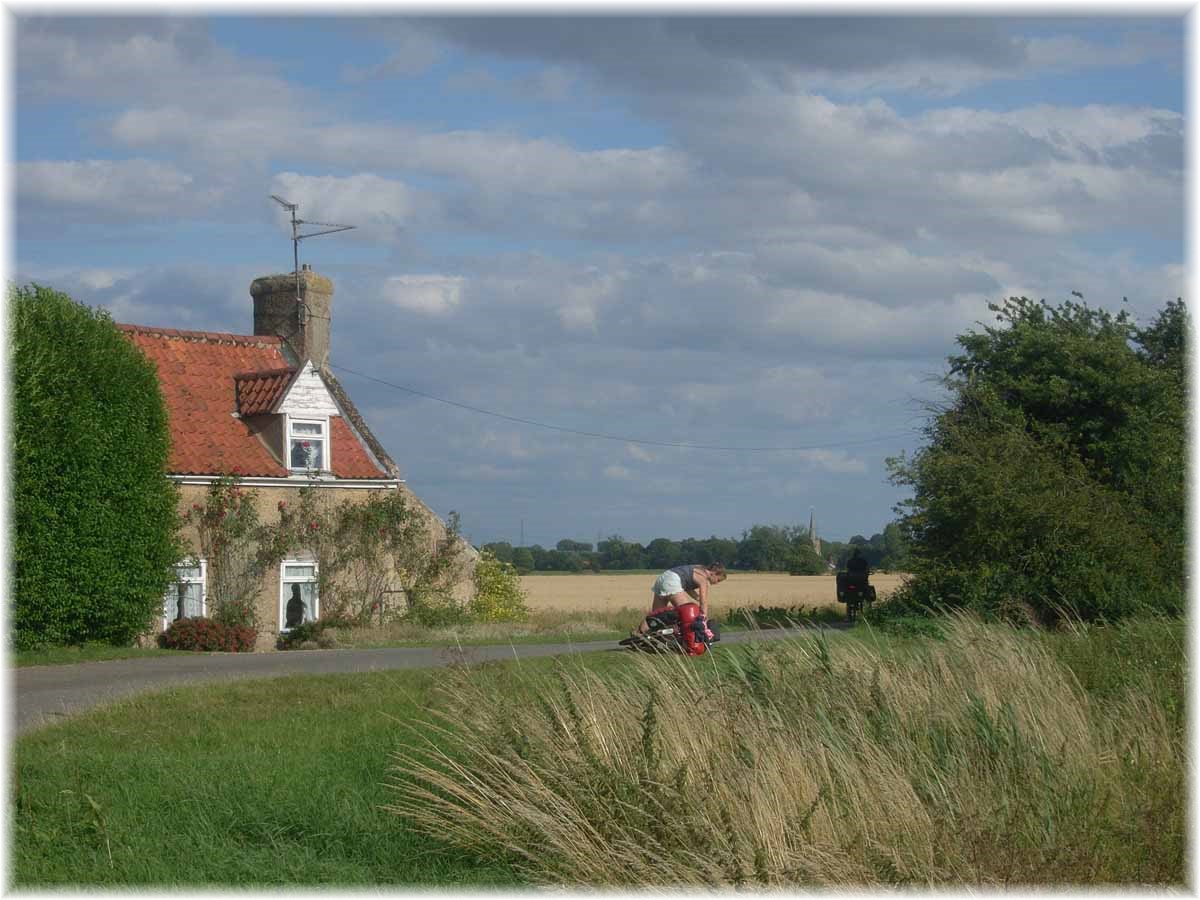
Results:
[47, 694]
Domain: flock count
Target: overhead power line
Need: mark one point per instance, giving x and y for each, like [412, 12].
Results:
[616, 437]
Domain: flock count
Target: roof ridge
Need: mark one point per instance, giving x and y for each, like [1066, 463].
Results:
[264, 373]
[221, 337]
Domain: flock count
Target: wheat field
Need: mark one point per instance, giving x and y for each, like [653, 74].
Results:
[561, 593]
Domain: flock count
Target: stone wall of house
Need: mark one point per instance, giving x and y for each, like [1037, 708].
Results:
[267, 503]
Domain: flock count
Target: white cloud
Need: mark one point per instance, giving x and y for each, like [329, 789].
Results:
[110, 188]
[377, 207]
[434, 295]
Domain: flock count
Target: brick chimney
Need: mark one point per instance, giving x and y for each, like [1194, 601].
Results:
[304, 326]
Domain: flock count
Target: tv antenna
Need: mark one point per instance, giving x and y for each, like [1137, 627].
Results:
[297, 237]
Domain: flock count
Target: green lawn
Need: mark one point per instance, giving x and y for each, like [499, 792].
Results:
[61, 656]
[256, 783]
[275, 783]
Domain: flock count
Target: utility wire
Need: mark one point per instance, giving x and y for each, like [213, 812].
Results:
[614, 437]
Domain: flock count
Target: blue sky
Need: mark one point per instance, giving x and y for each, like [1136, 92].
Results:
[740, 232]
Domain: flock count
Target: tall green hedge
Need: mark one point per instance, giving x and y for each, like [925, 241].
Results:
[95, 524]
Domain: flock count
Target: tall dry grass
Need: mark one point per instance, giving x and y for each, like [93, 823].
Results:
[806, 762]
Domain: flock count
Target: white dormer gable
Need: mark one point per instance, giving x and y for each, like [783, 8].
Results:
[307, 396]
[305, 408]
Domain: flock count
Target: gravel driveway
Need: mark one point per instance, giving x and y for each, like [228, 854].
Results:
[47, 694]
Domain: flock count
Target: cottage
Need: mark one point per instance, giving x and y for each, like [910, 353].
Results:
[267, 409]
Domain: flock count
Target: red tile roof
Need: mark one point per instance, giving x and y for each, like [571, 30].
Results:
[258, 392]
[206, 378]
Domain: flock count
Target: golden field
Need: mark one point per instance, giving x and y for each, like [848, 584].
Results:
[613, 592]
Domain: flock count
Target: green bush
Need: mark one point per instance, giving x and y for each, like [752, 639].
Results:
[438, 609]
[1053, 481]
[498, 594]
[313, 631]
[201, 633]
[94, 514]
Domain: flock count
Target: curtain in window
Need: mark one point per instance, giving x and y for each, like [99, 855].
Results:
[184, 600]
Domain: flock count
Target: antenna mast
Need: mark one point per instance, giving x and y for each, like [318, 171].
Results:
[297, 237]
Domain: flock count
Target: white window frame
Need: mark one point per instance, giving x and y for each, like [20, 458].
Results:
[284, 588]
[326, 464]
[189, 563]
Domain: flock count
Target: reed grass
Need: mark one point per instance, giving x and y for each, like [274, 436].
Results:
[981, 759]
[542, 625]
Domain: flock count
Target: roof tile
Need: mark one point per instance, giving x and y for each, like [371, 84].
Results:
[206, 377]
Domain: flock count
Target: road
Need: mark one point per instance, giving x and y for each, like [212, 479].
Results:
[47, 694]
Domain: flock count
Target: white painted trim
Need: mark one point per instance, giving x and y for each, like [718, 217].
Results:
[267, 481]
[299, 561]
[203, 587]
[326, 444]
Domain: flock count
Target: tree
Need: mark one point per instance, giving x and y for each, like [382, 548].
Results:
[894, 547]
[1054, 477]
[1163, 343]
[560, 561]
[522, 559]
[569, 546]
[663, 553]
[766, 548]
[94, 512]
[501, 550]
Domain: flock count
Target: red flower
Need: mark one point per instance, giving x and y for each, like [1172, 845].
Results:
[282, 505]
[312, 525]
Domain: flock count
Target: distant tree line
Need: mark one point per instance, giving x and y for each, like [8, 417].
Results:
[762, 548]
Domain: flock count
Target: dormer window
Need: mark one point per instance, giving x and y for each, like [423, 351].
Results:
[307, 445]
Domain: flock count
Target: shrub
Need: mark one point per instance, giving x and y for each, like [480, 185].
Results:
[313, 632]
[437, 609]
[498, 593]
[202, 633]
[94, 520]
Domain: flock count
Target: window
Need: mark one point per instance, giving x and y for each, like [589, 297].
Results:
[185, 598]
[306, 445]
[298, 600]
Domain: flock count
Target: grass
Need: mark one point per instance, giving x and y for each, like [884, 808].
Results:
[985, 757]
[538, 573]
[783, 616]
[990, 757]
[256, 783]
[61, 656]
[542, 627]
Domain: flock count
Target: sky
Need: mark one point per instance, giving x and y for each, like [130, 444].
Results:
[582, 242]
